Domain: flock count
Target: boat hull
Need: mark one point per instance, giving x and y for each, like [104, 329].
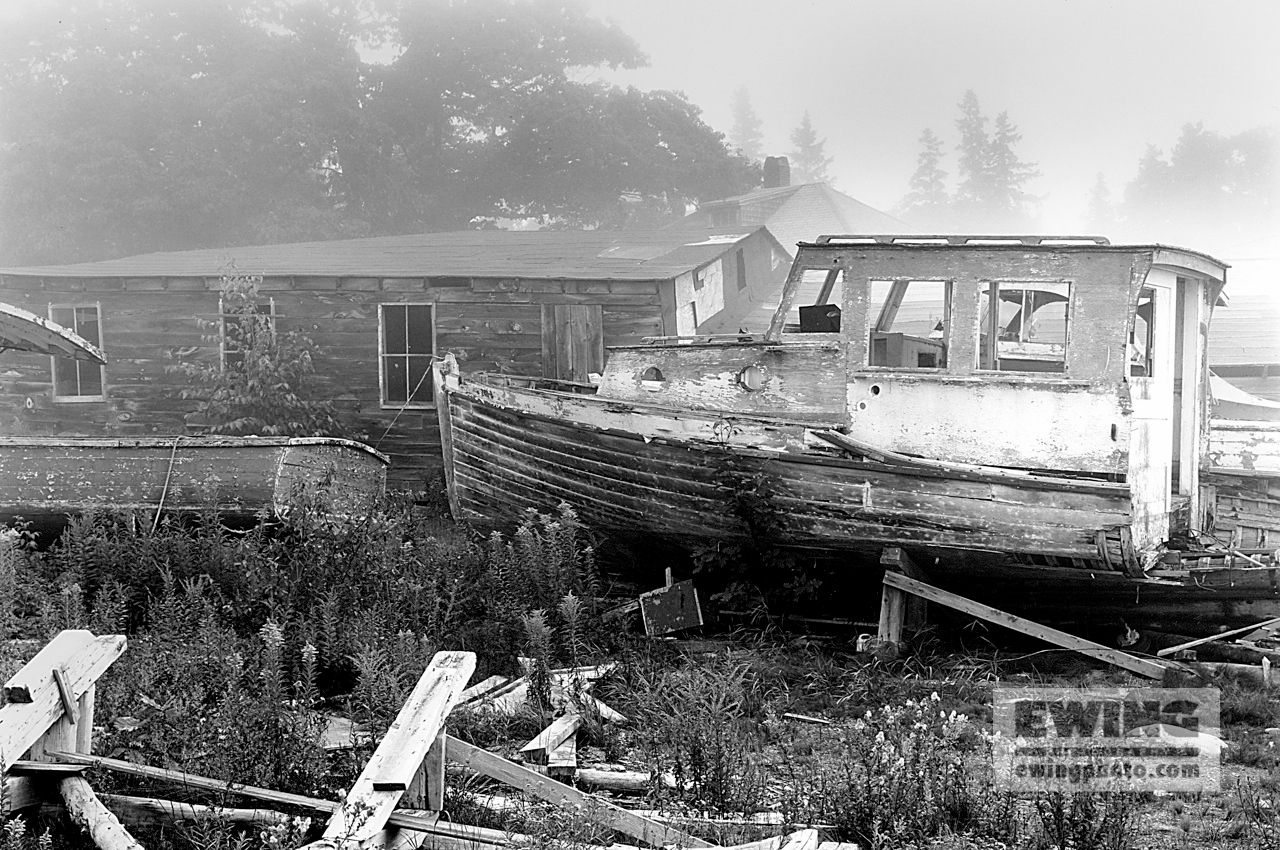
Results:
[45, 479]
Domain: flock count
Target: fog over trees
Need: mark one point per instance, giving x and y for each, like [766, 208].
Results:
[139, 126]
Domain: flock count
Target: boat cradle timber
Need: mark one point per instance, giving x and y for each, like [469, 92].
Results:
[1027, 417]
[241, 478]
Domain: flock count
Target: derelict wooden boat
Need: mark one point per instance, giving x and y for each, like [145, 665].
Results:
[1025, 416]
[47, 478]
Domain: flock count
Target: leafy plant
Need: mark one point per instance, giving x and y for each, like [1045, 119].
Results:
[263, 384]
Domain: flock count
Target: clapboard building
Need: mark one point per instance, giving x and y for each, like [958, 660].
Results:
[380, 309]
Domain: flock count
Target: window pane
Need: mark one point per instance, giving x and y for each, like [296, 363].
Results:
[1028, 325]
[90, 378]
[393, 329]
[909, 323]
[65, 378]
[419, 382]
[419, 329]
[394, 378]
[87, 323]
[65, 316]
[1141, 340]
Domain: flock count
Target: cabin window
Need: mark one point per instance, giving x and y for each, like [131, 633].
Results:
[1142, 336]
[1026, 329]
[820, 287]
[238, 329]
[407, 334]
[75, 380]
[909, 320]
[740, 258]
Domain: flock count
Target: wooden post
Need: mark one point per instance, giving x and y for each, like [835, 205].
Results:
[892, 612]
[88, 812]
[895, 558]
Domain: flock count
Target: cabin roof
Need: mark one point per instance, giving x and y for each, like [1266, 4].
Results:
[563, 254]
[798, 213]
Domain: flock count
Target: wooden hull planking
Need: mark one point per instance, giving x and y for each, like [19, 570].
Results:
[703, 478]
[51, 477]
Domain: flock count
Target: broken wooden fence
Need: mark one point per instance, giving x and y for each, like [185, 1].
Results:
[395, 803]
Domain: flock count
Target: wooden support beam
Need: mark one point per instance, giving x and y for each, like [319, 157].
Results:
[562, 762]
[149, 811]
[89, 813]
[1140, 666]
[401, 752]
[593, 808]
[1243, 630]
[892, 612]
[82, 658]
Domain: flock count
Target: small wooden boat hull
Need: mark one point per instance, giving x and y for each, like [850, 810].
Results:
[47, 478]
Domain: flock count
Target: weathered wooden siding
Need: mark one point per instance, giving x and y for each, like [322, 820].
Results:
[149, 324]
[1250, 448]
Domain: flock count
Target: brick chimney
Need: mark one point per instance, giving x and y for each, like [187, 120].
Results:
[777, 172]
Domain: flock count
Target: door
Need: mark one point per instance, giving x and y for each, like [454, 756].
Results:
[572, 341]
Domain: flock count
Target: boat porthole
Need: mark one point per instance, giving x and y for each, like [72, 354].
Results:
[875, 389]
[651, 379]
[862, 405]
[752, 378]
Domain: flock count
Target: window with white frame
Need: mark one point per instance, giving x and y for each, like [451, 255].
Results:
[76, 380]
[237, 329]
[406, 347]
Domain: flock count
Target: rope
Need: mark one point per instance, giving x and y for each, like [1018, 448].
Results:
[403, 407]
[168, 476]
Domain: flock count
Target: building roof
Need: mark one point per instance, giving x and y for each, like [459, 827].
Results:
[562, 254]
[1247, 330]
[799, 214]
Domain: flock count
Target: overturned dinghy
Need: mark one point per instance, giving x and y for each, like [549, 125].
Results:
[1027, 417]
[240, 478]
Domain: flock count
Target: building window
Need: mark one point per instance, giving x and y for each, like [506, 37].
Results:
[75, 380]
[237, 332]
[742, 268]
[909, 324]
[407, 334]
[1023, 326]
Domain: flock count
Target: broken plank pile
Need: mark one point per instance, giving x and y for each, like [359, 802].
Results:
[397, 800]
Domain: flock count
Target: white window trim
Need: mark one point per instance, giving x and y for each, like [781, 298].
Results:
[102, 370]
[382, 355]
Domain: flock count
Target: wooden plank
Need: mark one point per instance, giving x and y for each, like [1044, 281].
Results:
[1019, 624]
[481, 688]
[89, 813]
[561, 729]
[148, 811]
[402, 750]
[82, 657]
[593, 808]
[1170, 650]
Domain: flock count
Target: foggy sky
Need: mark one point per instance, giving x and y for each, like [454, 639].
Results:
[1088, 83]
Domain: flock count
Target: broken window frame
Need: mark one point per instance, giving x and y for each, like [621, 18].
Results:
[420, 396]
[62, 368]
[228, 351]
[1027, 349]
[882, 316]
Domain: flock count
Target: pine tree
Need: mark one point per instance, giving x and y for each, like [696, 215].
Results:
[975, 176]
[808, 161]
[746, 134]
[927, 202]
[1008, 205]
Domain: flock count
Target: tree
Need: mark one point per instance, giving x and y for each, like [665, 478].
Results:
[746, 134]
[927, 202]
[1211, 190]
[1102, 218]
[992, 192]
[160, 125]
[263, 384]
[808, 161]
